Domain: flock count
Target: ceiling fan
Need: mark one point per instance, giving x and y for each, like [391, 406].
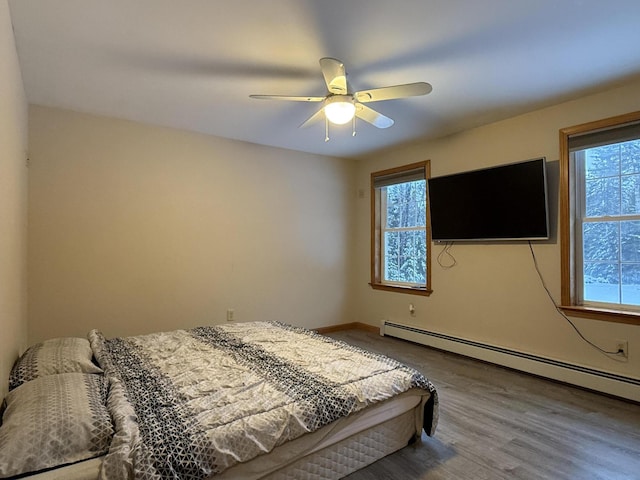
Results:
[341, 105]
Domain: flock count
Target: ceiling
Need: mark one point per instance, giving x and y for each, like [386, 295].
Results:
[192, 64]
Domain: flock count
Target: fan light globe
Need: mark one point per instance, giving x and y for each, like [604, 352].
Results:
[339, 109]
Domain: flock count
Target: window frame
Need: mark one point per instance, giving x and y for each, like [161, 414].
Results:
[377, 232]
[571, 302]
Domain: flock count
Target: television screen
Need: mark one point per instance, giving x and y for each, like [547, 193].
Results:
[507, 202]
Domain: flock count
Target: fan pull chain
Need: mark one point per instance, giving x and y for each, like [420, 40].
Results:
[353, 126]
[326, 129]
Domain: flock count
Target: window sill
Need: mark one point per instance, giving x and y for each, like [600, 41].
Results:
[399, 289]
[604, 314]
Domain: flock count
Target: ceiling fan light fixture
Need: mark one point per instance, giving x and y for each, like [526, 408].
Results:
[339, 109]
[342, 106]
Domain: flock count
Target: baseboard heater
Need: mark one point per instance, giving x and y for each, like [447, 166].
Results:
[598, 380]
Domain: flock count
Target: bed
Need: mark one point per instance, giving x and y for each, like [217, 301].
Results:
[257, 400]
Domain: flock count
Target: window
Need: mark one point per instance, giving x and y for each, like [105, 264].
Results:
[400, 237]
[600, 219]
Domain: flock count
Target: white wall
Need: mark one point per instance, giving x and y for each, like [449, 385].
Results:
[494, 295]
[13, 201]
[135, 228]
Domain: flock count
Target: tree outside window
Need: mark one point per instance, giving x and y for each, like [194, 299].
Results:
[611, 223]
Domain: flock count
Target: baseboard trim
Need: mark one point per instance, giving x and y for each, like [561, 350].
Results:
[348, 326]
[586, 377]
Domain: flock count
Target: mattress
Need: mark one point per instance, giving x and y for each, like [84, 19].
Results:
[340, 445]
[332, 452]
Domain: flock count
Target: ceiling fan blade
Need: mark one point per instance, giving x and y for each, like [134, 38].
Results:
[285, 97]
[334, 75]
[396, 91]
[313, 118]
[371, 116]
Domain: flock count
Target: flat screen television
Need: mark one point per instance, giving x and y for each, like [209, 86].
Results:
[508, 202]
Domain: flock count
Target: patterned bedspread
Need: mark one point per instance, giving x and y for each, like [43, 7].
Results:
[192, 403]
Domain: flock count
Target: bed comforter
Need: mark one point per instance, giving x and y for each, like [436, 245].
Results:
[191, 403]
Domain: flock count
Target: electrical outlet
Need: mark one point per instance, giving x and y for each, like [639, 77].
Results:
[231, 315]
[622, 347]
[412, 310]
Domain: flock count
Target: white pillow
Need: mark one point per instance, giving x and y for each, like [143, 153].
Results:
[58, 355]
[52, 421]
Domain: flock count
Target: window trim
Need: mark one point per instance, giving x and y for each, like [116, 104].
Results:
[376, 234]
[569, 299]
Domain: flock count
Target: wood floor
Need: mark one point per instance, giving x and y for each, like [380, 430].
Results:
[499, 424]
